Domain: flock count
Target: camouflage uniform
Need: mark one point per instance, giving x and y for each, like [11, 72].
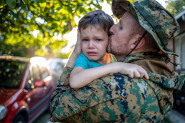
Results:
[116, 97]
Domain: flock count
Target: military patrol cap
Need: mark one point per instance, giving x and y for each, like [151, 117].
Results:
[153, 17]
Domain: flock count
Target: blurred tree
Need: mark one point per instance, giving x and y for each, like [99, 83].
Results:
[175, 6]
[28, 27]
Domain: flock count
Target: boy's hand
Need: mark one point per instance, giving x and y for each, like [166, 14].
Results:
[132, 70]
[77, 48]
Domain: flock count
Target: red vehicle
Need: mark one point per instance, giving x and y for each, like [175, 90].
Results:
[25, 88]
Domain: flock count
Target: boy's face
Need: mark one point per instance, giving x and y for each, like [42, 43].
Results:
[94, 43]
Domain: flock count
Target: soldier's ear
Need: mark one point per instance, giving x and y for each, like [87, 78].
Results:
[135, 41]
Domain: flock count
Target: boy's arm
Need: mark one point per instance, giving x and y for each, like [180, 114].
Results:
[80, 77]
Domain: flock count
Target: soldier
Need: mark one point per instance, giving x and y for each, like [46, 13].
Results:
[140, 37]
[93, 60]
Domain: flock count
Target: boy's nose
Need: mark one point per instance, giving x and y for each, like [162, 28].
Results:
[91, 44]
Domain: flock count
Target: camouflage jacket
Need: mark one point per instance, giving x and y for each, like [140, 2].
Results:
[118, 98]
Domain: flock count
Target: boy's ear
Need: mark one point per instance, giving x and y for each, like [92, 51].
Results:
[135, 40]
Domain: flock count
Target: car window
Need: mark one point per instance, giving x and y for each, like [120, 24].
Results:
[29, 82]
[11, 73]
[35, 73]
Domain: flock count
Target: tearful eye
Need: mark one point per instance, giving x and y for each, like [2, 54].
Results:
[99, 40]
[85, 40]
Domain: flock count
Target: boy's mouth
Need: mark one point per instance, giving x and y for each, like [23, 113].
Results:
[92, 53]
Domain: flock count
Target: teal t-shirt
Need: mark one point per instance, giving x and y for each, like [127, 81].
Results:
[85, 63]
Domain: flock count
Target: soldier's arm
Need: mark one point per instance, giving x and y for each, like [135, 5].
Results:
[67, 102]
[174, 81]
[64, 78]
[136, 95]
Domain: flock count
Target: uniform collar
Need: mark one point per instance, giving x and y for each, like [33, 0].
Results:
[146, 55]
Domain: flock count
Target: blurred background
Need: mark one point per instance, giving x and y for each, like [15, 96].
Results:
[48, 29]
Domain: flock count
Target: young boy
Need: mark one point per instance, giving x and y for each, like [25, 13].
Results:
[94, 62]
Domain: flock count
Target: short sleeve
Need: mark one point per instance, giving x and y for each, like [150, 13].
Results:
[82, 61]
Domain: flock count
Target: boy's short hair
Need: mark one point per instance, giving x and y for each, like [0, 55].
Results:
[96, 18]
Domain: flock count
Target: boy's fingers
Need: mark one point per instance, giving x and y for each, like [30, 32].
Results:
[137, 74]
[143, 72]
[146, 76]
[131, 75]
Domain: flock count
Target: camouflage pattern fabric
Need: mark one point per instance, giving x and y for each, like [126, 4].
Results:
[64, 78]
[153, 17]
[118, 98]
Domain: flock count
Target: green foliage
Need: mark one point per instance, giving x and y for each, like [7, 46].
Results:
[132, 1]
[175, 6]
[20, 19]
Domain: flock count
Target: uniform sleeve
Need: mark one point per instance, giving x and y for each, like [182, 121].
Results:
[65, 103]
[105, 95]
[113, 98]
[64, 78]
[174, 81]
